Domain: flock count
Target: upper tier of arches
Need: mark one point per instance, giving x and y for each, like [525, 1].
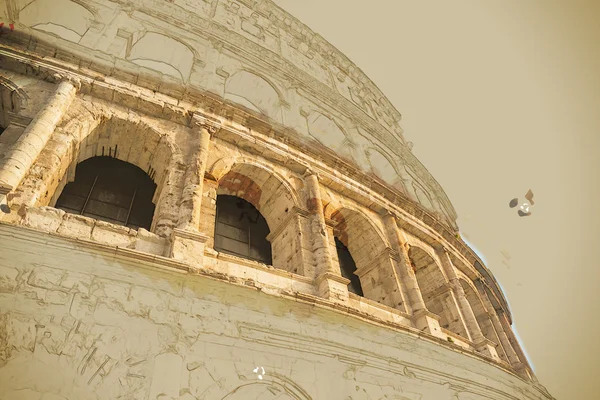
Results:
[285, 74]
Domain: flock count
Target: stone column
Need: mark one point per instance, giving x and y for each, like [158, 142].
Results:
[32, 141]
[191, 197]
[423, 319]
[522, 367]
[482, 344]
[187, 242]
[330, 284]
[504, 342]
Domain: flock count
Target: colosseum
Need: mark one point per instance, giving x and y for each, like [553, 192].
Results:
[204, 199]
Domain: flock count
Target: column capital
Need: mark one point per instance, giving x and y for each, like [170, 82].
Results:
[73, 80]
[211, 125]
[309, 172]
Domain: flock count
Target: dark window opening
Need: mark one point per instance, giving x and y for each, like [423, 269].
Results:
[110, 190]
[241, 230]
[2, 129]
[348, 267]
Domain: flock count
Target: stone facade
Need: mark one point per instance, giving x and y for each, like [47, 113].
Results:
[223, 97]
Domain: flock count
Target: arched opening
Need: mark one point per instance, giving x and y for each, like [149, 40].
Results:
[10, 102]
[268, 391]
[348, 268]
[110, 190]
[364, 258]
[63, 18]
[254, 92]
[275, 200]
[384, 169]
[163, 54]
[483, 319]
[436, 292]
[241, 230]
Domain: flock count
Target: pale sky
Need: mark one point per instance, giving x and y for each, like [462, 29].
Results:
[500, 97]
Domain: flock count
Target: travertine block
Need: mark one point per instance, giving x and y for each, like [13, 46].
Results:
[113, 235]
[76, 226]
[46, 219]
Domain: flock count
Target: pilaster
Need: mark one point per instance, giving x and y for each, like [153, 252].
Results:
[481, 343]
[422, 318]
[187, 242]
[330, 284]
[504, 341]
[191, 198]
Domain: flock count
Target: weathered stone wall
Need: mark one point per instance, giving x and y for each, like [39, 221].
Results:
[304, 212]
[98, 310]
[81, 321]
[250, 53]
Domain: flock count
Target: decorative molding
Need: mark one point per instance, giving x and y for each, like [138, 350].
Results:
[204, 122]
[191, 235]
[333, 277]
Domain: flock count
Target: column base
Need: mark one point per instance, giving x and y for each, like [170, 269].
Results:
[332, 287]
[428, 322]
[188, 246]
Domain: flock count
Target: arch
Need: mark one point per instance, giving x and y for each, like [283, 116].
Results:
[271, 387]
[357, 232]
[163, 54]
[325, 130]
[259, 185]
[482, 316]
[275, 200]
[12, 97]
[63, 18]
[371, 255]
[127, 138]
[384, 168]
[132, 140]
[266, 391]
[348, 267]
[241, 230]
[255, 92]
[435, 290]
[423, 197]
[12, 100]
[110, 190]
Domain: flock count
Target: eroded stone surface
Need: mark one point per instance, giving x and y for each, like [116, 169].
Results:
[72, 331]
[94, 310]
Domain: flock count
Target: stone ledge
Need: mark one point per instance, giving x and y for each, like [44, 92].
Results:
[136, 259]
[256, 265]
[58, 222]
